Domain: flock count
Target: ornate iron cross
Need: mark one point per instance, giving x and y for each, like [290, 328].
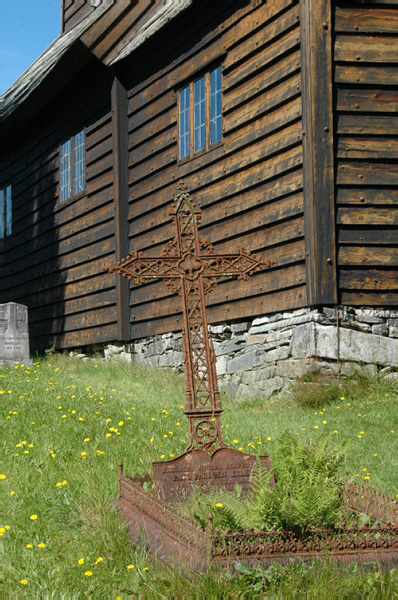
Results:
[190, 268]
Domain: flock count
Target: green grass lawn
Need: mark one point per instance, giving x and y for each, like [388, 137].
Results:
[66, 426]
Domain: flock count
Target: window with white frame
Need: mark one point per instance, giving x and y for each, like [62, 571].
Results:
[200, 116]
[73, 167]
[5, 211]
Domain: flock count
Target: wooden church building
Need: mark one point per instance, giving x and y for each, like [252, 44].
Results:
[281, 116]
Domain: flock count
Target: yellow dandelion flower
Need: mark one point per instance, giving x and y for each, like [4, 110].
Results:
[33, 517]
[88, 573]
[130, 566]
[24, 581]
[81, 561]
[41, 545]
[324, 422]
[145, 568]
[99, 559]
[2, 476]
[29, 545]
[121, 423]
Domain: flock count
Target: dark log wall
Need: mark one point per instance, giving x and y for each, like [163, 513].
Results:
[250, 187]
[53, 261]
[366, 95]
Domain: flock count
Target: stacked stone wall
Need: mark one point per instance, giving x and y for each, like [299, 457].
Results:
[262, 356]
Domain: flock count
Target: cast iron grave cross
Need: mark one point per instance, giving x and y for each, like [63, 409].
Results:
[190, 268]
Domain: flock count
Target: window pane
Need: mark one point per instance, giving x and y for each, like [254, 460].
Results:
[2, 213]
[184, 122]
[8, 210]
[65, 170]
[78, 157]
[215, 106]
[199, 114]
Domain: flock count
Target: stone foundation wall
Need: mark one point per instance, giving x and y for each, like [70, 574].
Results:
[262, 356]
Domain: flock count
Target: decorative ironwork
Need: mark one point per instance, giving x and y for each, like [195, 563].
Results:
[190, 267]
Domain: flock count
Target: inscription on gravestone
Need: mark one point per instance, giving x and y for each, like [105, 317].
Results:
[14, 333]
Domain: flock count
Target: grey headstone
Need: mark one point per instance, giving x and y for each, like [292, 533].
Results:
[14, 334]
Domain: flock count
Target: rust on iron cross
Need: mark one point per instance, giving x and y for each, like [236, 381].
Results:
[191, 268]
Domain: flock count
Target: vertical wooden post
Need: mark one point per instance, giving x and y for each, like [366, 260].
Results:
[120, 169]
[317, 104]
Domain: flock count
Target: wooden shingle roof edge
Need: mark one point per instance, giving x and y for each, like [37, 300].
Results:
[20, 91]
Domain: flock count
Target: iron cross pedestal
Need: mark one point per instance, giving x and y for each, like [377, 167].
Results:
[190, 267]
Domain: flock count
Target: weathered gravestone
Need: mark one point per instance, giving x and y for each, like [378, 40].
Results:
[191, 268]
[14, 334]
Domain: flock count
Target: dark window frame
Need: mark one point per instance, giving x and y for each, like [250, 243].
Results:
[187, 128]
[5, 210]
[72, 194]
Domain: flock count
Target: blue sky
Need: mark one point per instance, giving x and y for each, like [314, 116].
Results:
[27, 28]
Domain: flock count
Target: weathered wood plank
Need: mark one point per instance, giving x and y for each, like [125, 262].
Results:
[367, 147]
[259, 305]
[359, 298]
[256, 42]
[362, 256]
[368, 279]
[288, 65]
[368, 100]
[75, 322]
[227, 292]
[366, 48]
[366, 19]
[86, 337]
[352, 124]
[287, 43]
[64, 291]
[104, 147]
[381, 236]
[102, 165]
[256, 174]
[318, 151]
[73, 306]
[367, 197]
[260, 105]
[367, 173]
[366, 74]
[368, 216]
[160, 124]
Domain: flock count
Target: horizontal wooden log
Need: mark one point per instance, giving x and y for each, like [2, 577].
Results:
[101, 130]
[260, 305]
[52, 229]
[264, 37]
[34, 268]
[283, 45]
[355, 298]
[276, 72]
[97, 152]
[75, 322]
[368, 279]
[368, 216]
[366, 197]
[358, 124]
[365, 48]
[65, 279]
[260, 105]
[363, 256]
[255, 175]
[86, 337]
[161, 123]
[367, 100]
[64, 308]
[366, 19]
[367, 173]
[152, 147]
[366, 74]
[164, 103]
[236, 28]
[367, 148]
[380, 236]
[63, 291]
[102, 165]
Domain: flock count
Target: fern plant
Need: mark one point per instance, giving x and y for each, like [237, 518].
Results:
[307, 493]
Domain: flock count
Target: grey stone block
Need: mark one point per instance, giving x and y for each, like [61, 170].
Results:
[260, 374]
[278, 354]
[222, 364]
[240, 327]
[244, 362]
[380, 329]
[393, 332]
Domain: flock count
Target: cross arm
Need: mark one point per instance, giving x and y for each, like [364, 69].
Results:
[138, 267]
[240, 265]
